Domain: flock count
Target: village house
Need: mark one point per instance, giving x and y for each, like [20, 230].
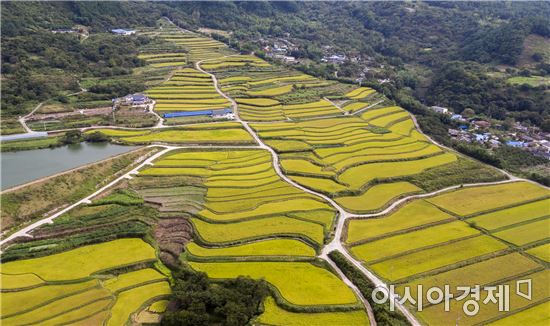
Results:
[285, 58]
[132, 101]
[457, 117]
[335, 59]
[120, 31]
[482, 124]
[439, 109]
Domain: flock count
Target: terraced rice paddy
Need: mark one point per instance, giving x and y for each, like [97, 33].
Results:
[259, 86]
[235, 216]
[198, 47]
[413, 247]
[347, 159]
[160, 60]
[273, 315]
[70, 289]
[299, 283]
[268, 225]
[187, 90]
[360, 93]
[223, 133]
[466, 201]
[277, 248]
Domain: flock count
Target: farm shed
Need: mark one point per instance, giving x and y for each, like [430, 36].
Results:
[187, 114]
[30, 135]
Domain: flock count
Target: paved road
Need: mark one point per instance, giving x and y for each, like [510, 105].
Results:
[343, 215]
[277, 168]
[25, 232]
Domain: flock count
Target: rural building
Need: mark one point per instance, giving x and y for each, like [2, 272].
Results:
[454, 132]
[335, 58]
[216, 114]
[223, 114]
[439, 109]
[481, 138]
[120, 31]
[482, 124]
[457, 117]
[187, 114]
[133, 101]
[515, 143]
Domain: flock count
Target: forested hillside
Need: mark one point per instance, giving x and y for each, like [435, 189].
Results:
[491, 59]
[415, 42]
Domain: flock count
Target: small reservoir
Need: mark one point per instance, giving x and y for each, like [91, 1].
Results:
[25, 166]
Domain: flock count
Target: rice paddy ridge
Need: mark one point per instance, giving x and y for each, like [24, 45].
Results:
[26, 231]
[336, 243]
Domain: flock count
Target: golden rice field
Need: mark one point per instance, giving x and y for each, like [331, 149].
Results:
[248, 221]
[267, 226]
[299, 283]
[229, 133]
[273, 315]
[466, 201]
[504, 237]
[265, 248]
[360, 93]
[365, 171]
[187, 90]
[83, 288]
[257, 229]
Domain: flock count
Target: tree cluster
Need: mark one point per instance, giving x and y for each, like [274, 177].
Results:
[199, 301]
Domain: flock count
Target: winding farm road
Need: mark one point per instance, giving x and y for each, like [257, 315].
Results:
[343, 215]
[278, 170]
[25, 232]
[336, 242]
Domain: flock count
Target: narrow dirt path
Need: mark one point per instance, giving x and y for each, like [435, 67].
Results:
[277, 168]
[23, 120]
[337, 106]
[367, 107]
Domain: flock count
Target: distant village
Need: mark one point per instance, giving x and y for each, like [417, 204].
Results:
[140, 101]
[281, 48]
[475, 130]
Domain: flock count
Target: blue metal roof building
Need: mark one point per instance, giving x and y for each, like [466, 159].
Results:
[515, 143]
[29, 135]
[187, 114]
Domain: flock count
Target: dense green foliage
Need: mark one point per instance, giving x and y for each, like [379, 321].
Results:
[451, 39]
[382, 312]
[462, 85]
[38, 64]
[72, 230]
[202, 302]
[20, 18]
[427, 34]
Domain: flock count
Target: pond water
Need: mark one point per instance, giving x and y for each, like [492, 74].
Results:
[24, 166]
